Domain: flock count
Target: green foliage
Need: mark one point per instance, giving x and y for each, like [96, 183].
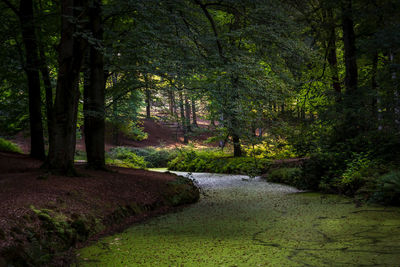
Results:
[155, 157]
[357, 171]
[132, 157]
[216, 161]
[388, 188]
[124, 157]
[273, 148]
[8, 146]
[290, 176]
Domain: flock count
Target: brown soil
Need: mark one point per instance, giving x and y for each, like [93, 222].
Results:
[159, 135]
[24, 184]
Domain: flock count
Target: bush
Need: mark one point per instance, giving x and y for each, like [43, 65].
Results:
[7, 146]
[319, 172]
[290, 176]
[142, 157]
[217, 162]
[155, 157]
[388, 189]
[271, 148]
[124, 157]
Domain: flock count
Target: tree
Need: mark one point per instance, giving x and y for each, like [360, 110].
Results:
[72, 50]
[27, 23]
[94, 92]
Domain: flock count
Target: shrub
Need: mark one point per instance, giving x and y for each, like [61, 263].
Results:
[271, 148]
[388, 189]
[217, 162]
[358, 170]
[8, 146]
[290, 176]
[151, 157]
[124, 157]
[321, 170]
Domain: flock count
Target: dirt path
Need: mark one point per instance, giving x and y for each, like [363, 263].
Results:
[255, 223]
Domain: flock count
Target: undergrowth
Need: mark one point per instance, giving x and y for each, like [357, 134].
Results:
[8, 146]
[216, 161]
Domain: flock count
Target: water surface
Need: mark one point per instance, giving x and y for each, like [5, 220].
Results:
[249, 222]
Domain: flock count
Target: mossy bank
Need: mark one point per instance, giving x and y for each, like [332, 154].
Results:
[49, 230]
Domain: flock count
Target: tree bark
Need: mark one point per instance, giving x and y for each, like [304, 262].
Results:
[349, 41]
[49, 93]
[32, 62]
[94, 93]
[71, 53]
[183, 120]
[237, 150]
[331, 55]
[187, 111]
[171, 97]
[148, 103]
[194, 115]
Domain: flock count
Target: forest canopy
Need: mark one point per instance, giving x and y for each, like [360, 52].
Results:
[318, 77]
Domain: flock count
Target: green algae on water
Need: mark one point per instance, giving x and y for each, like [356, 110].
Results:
[257, 223]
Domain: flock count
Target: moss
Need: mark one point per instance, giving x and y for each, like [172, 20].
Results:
[181, 191]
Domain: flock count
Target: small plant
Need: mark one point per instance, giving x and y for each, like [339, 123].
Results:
[388, 188]
[8, 146]
[124, 157]
[216, 161]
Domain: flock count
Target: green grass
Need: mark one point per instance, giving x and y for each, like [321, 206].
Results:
[7, 146]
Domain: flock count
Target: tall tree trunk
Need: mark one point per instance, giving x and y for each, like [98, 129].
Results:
[94, 94]
[148, 103]
[71, 53]
[115, 129]
[349, 41]
[331, 55]
[49, 93]
[237, 150]
[183, 120]
[194, 115]
[187, 112]
[32, 62]
[171, 98]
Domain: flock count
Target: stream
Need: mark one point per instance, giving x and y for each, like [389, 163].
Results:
[250, 222]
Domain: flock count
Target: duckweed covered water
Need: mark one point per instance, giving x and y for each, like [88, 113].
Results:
[254, 223]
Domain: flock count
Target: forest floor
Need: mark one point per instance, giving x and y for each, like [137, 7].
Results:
[159, 135]
[26, 192]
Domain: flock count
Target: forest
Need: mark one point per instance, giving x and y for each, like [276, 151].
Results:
[302, 93]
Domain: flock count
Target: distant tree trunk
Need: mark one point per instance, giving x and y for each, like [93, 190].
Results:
[349, 41]
[148, 103]
[187, 112]
[71, 53]
[352, 124]
[115, 129]
[376, 111]
[237, 150]
[183, 120]
[94, 94]
[331, 55]
[194, 115]
[171, 98]
[49, 93]
[396, 97]
[32, 62]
